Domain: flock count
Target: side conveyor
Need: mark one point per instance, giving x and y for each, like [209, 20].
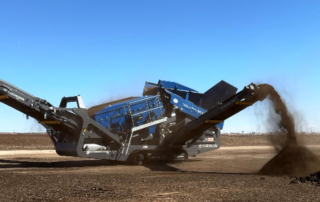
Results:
[56, 120]
[249, 95]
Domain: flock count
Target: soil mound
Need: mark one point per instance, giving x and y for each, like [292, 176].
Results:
[292, 160]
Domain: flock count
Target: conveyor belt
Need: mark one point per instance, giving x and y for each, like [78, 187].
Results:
[228, 108]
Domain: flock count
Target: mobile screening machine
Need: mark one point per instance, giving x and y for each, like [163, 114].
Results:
[170, 121]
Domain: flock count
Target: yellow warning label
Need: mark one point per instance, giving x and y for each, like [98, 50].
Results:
[213, 121]
[243, 103]
[50, 122]
[2, 97]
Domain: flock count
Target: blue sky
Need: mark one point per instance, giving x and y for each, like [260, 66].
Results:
[107, 49]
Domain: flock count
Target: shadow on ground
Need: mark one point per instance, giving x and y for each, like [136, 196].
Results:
[58, 164]
[9, 163]
[6, 164]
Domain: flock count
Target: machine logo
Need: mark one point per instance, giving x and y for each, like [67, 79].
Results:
[175, 100]
[16, 96]
[192, 108]
[207, 146]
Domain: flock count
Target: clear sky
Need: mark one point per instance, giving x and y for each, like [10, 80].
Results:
[107, 49]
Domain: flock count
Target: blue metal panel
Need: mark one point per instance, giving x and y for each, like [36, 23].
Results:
[132, 113]
[185, 105]
[174, 85]
[188, 107]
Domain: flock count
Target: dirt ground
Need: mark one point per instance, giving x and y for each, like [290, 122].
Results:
[42, 141]
[33, 172]
[25, 142]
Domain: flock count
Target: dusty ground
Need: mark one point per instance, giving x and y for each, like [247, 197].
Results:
[227, 174]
